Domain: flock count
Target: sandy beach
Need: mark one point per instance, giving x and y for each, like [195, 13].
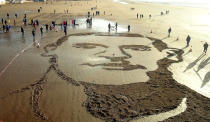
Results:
[93, 75]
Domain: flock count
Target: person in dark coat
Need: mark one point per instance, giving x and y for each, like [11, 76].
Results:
[129, 28]
[65, 29]
[205, 47]
[46, 27]
[169, 32]
[41, 29]
[116, 25]
[22, 30]
[188, 40]
[109, 27]
[33, 33]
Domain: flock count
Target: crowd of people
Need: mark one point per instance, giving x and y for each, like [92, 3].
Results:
[6, 25]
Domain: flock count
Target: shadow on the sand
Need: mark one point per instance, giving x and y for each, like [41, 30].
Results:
[206, 79]
[164, 38]
[204, 63]
[175, 40]
[186, 53]
[191, 65]
[184, 47]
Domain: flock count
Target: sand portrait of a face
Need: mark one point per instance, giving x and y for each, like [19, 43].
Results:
[118, 83]
[99, 59]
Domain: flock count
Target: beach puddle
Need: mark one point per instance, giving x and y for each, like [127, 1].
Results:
[122, 2]
[98, 25]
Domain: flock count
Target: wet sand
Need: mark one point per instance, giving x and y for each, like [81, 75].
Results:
[43, 85]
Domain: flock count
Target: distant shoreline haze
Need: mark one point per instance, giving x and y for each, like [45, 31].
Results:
[190, 3]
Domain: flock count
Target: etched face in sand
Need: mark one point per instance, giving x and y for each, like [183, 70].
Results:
[100, 59]
[116, 62]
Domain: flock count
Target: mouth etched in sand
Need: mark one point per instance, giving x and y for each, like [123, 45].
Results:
[129, 101]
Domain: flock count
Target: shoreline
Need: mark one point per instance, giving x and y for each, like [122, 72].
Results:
[163, 3]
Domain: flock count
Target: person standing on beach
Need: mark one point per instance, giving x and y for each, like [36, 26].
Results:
[15, 15]
[14, 22]
[25, 21]
[65, 29]
[34, 24]
[188, 40]
[2, 21]
[129, 28]
[46, 26]
[116, 26]
[109, 27]
[7, 15]
[5, 22]
[137, 15]
[4, 27]
[22, 30]
[169, 32]
[205, 47]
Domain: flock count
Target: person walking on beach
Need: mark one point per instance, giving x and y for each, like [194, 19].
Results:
[22, 30]
[129, 28]
[109, 27]
[137, 15]
[2, 21]
[169, 32]
[205, 47]
[188, 40]
[33, 33]
[41, 29]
